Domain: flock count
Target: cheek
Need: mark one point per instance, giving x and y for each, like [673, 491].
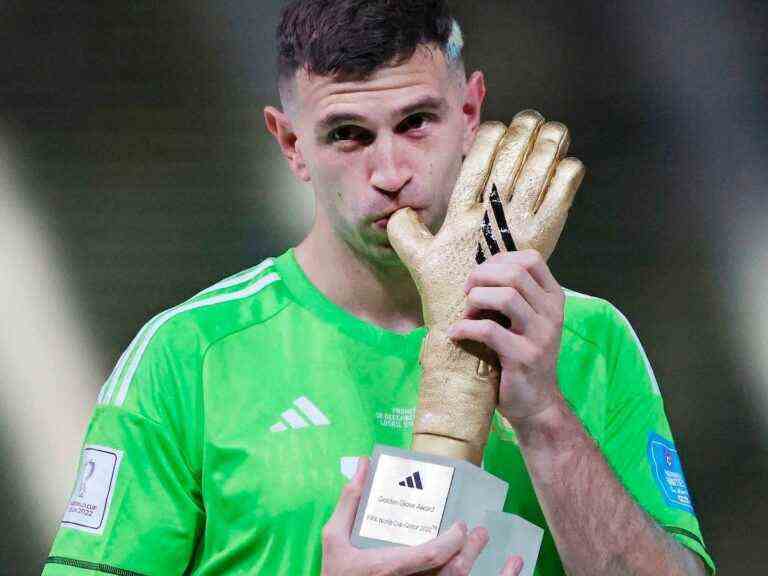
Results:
[444, 171]
[327, 172]
[337, 180]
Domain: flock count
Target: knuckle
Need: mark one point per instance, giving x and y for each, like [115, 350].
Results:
[535, 256]
[350, 490]
[460, 567]
[530, 257]
[379, 567]
[487, 328]
[515, 274]
[550, 332]
[329, 537]
[479, 536]
[326, 533]
[430, 557]
[531, 355]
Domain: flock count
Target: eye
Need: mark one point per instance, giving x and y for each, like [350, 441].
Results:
[350, 133]
[414, 122]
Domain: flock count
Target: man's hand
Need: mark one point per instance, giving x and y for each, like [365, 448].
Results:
[520, 286]
[453, 553]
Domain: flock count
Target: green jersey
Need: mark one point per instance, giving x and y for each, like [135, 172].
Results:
[222, 439]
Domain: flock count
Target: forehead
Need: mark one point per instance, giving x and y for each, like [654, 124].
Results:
[425, 74]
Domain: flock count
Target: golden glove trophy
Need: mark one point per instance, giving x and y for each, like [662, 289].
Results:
[514, 191]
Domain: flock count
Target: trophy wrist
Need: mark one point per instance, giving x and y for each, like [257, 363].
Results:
[455, 404]
[448, 447]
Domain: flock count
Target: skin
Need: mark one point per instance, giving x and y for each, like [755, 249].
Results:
[389, 161]
[390, 156]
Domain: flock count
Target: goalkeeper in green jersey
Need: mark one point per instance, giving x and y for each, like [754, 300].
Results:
[231, 436]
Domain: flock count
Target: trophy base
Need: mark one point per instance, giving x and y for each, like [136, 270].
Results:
[410, 497]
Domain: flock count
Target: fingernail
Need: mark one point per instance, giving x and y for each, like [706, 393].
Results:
[451, 331]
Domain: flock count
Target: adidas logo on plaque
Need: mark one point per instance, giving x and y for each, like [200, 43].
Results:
[412, 481]
[305, 414]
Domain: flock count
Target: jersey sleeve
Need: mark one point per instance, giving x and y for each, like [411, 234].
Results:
[638, 442]
[136, 505]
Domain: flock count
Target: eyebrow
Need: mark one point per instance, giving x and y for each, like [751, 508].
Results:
[430, 103]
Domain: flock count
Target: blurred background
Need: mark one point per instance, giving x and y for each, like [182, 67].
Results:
[135, 170]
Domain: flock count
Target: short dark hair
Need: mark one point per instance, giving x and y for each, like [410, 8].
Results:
[351, 39]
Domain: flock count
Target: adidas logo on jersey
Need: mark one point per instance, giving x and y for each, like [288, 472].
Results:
[305, 414]
[412, 481]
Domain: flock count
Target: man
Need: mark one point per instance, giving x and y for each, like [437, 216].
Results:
[221, 439]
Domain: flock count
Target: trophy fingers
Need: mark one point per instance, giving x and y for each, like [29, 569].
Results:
[551, 145]
[550, 219]
[475, 169]
[512, 151]
[408, 235]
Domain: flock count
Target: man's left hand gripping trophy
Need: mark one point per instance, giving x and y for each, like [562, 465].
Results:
[518, 176]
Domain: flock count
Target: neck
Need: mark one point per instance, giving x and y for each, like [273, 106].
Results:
[381, 294]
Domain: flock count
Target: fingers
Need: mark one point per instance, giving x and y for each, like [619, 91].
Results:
[475, 169]
[525, 271]
[462, 563]
[428, 555]
[513, 566]
[494, 273]
[551, 145]
[513, 149]
[510, 347]
[507, 269]
[339, 526]
[504, 300]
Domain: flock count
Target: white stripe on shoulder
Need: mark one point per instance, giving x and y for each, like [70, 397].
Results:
[109, 386]
[107, 390]
[239, 278]
[164, 317]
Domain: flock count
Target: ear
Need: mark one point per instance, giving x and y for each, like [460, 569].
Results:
[474, 96]
[280, 126]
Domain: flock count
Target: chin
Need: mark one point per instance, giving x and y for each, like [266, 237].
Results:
[384, 255]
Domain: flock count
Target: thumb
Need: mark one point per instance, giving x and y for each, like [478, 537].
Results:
[343, 516]
[408, 235]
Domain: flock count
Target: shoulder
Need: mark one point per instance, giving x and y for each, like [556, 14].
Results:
[598, 322]
[172, 343]
[232, 304]
[591, 317]
[603, 325]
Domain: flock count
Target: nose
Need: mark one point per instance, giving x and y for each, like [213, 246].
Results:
[390, 168]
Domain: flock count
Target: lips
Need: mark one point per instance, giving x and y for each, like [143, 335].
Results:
[380, 221]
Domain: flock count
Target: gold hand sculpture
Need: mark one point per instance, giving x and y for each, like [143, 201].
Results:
[517, 173]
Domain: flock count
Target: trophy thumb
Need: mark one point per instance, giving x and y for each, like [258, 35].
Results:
[408, 235]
